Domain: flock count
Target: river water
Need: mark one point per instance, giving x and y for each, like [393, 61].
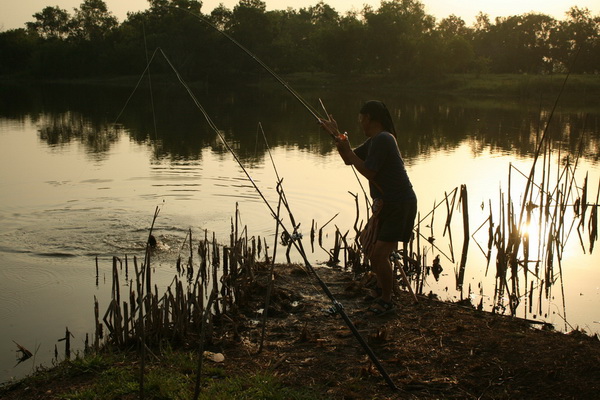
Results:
[76, 187]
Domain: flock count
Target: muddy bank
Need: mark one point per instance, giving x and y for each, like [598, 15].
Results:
[430, 349]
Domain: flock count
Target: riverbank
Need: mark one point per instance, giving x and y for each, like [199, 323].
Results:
[585, 87]
[430, 349]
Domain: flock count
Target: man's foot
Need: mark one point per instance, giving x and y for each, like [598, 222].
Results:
[380, 307]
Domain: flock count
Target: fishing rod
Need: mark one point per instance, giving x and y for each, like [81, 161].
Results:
[296, 95]
[337, 307]
[290, 89]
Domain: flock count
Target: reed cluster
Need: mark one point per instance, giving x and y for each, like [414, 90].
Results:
[213, 280]
[532, 229]
[227, 271]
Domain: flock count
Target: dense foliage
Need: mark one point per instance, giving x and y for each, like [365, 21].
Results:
[399, 39]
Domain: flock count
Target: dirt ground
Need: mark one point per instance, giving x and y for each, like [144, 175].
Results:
[429, 349]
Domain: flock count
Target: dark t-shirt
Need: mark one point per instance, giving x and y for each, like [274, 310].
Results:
[381, 154]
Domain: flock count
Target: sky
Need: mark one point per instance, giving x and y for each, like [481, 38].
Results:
[14, 14]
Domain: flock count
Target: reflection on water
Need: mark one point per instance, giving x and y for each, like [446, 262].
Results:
[177, 130]
[74, 186]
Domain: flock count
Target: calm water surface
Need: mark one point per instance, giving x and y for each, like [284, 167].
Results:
[72, 188]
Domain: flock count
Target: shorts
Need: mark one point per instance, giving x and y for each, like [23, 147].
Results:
[396, 221]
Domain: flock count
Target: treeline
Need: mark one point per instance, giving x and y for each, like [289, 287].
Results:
[398, 39]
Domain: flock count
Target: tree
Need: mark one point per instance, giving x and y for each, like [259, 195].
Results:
[251, 26]
[93, 21]
[578, 34]
[457, 44]
[535, 47]
[519, 43]
[293, 45]
[398, 39]
[453, 26]
[221, 17]
[190, 5]
[324, 36]
[322, 13]
[343, 48]
[395, 34]
[51, 23]
[482, 23]
[16, 48]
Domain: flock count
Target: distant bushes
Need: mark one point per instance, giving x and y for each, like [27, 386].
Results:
[398, 39]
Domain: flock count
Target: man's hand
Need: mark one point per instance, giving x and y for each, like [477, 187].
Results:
[330, 126]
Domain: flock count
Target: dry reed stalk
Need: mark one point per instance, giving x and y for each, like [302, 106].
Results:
[418, 257]
[501, 261]
[404, 277]
[447, 228]
[464, 201]
[225, 278]
[346, 247]
[215, 267]
[248, 255]
[593, 221]
[125, 322]
[334, 255]
[205, 316]
[259, 244]
[67, 340]
[271, 282]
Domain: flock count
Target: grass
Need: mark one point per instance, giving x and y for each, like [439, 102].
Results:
[510, 90]
[260, 386]
[521, 84]
[109, 376]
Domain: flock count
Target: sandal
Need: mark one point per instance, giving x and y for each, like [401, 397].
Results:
[380, 307]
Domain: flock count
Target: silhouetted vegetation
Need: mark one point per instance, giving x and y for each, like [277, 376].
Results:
[398, 39]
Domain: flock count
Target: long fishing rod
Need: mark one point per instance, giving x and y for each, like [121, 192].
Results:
[296, 95]
[290, 89]
[337, 306]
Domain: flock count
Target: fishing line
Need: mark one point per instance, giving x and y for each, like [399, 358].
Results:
[281, 192]
[215, 128]
[136, 86]
[150, 85]
[269, 150]
[256, 143]
[336, 307]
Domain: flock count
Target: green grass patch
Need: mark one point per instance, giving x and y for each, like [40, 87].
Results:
[108, 376]
[522, 84]
[260, 386]
[113, 383]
